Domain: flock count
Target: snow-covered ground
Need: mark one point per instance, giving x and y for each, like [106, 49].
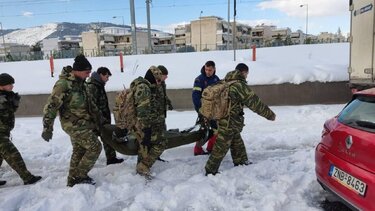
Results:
[291, 64]
[281, 178]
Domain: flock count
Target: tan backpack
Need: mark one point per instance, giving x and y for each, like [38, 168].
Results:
[124, 109]
[216, 101]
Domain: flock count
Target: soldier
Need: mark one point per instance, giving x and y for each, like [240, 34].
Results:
[207, 77]
[79, 119]
[9, 102]
[150, 125]
[95, 85]
[165, 102]
[229, 129]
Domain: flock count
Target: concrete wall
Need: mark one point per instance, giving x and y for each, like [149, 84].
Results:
[282, 94]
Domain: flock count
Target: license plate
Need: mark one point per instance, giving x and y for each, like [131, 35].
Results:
[348, 180]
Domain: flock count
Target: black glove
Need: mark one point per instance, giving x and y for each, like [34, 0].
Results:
[121, 132]
[47, 135]
[146, 137]
[170, 106]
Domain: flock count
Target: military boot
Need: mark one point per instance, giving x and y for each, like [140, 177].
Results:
[32, 180]
[114, 161]
[243, 163]
[77, 180]
[2, 182]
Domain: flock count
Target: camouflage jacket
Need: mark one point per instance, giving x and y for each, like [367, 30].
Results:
[145, 100]
[163, 100]
[9, 102]
[95, 86]
[241, 95]
[70, 99]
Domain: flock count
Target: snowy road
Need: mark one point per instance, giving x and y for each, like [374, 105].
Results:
[281, 178]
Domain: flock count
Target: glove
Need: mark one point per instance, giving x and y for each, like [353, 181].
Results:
[47, 135]
[170, 106]
[146, 137]
[272, 117]
[121, 132]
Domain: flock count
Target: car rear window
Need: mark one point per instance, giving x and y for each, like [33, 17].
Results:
[360, 114]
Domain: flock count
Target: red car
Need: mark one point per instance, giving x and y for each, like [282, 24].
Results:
[345, 157]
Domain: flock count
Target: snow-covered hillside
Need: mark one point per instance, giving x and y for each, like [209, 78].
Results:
[32, 35]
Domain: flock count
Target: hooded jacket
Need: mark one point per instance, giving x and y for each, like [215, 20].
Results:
[70, 99]
[8, 106]
[96, 88]
[200, 83]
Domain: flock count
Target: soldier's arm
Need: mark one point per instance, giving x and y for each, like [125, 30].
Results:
[197, 94]
[252, 101]
[142, 100]
[93, 103]
[54, 102]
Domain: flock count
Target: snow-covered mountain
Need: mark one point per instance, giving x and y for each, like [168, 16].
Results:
[32, 35]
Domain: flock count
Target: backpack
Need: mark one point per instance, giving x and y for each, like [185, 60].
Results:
[216, 101]
[124, 109]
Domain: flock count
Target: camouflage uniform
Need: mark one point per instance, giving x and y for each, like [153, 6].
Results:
[148, 112]
[229, 129]
[8, 105]
[96, 88]
[79, 119]
[164, 101]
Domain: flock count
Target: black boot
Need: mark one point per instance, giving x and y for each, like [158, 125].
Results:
[114, 161]
[244, 163]
[2, 182]
[33, 180]
[77, 180]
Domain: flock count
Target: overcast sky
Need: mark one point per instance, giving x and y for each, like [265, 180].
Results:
[323, 15]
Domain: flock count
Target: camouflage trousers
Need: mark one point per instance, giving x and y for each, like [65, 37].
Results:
[227, 139]
[148, 156]
[86, 150]
[12, 156]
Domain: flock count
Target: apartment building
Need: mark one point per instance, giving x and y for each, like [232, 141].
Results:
[66, 47]
[261, 35]
[209, 33]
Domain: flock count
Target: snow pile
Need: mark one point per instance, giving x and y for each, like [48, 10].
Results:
[291, 64]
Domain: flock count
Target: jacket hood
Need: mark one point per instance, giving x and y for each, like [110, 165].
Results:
[95, 78]
[67, 74]
[234, 75]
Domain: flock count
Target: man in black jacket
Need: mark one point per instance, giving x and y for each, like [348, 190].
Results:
[95, 85]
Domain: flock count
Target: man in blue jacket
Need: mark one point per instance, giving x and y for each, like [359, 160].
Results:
[207, 77]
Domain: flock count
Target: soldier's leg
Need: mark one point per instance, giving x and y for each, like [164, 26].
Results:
[238, 150]
[13, 157]
[1, 161]
[219, 151]
[110, 153]
[75, 159]
[87, 140]
[159, 143]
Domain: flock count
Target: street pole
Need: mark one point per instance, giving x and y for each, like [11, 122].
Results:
[234, 31]
[2, 32]
[307, 19]
[133, 26]
[200, 31]
[228, 24]
[148, 26]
